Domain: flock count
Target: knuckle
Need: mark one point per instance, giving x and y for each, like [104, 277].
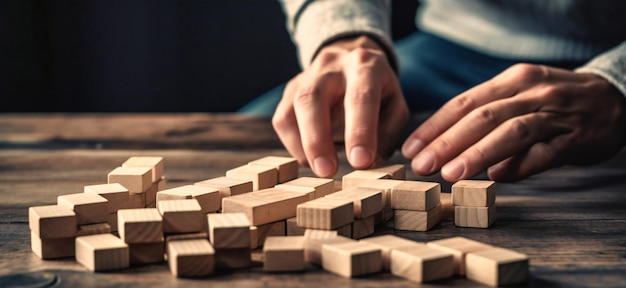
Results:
[323, 59]
[443, 144]
[545, 151]
[463, 104]
[486, 115]
[363, 56]
[527, 72]
[480, 153]
[306, 96]
[280, 121]
[519, 128]
[362, 96]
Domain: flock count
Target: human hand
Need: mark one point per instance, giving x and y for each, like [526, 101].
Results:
[527, 119]
[349, 83]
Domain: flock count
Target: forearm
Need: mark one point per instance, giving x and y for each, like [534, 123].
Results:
[611, 66]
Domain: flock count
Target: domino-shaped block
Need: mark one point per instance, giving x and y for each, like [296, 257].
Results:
[292, 227]
[233, 258]
[476, 193]
[135, 179]
[52, 248]
[93, 229]
[325, 213]
[258, 234]
[322, 186]
[155, 163]
[356, 177]
[459, 247]
[262, 177]
[447, 209]
[421, 264]
[89, 208]
[497, 266]
[310, 192]
[140, 225]
[52, 221]
[209, 198]
[475, 217]
[229, 230]
[191, 258]
[367, 202]
[146, 253]
[116, 195]
[385, 185]
[287, 166]
[282, 254]
[364, 227]
[227, 186]
[386, 243]
[102, 252]
[314, 240]
[395, 171]
[351, 259]
[181, 216]
[415, 195]
[410, 220]
[265, 206]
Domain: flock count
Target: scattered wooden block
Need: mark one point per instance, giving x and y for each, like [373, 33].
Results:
[51, 248]
[322, 186]
[325, 213]
[151, 195]
[233, 258]
[265, 206]
[386, 243]
[315, 239]
[283, 254]
[52, 221]
[385, 185]
[155, 163]
[135, 201]
[362, 228]
[309, 191]
[351, 259]
[140, 225]
[208, 198]
[191, 258]
[287, 166]
[458, 247]
[356, 177]
[186, 236]
[497, 266]
[93, 229]
[112, 221]
[421, 264]
[417, 220]
[102, 252]
[262, 177]
[229, 230]
[415, 195]
[292, 227]
[227, 186]
[476, 193]
[447, 209]
[146, 253]
[181, 216]
[367, 202]
[115, 194]
[135, 179]
[475, 217]
[395, 171]
[89, 208]
[258, 234]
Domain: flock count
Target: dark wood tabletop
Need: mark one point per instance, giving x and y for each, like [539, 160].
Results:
[570, 221]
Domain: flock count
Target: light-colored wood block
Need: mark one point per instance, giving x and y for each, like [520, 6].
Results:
[356, 177]
[227, 186]
[262, 177]
[367, 202]
[351, 259]
[140, 225]
[233, 258]
[181, 216]
[475, 217]
[135, 179]
[325, 213]
[292, 227]
[415, 195]
[447, 209]
[93, 229]
[362, 228]
[115, 193]
[151, 195]
[89, 208]
[287, 166]
[186, 236]
[155, 163]
[52, 248]
[410, 220]
[102, 252]
[191, 258]
[146, 253]
[476, 193]
[258, 234]
[52, 221]
[395, 171]
[310, 192]
[282, 254]
[322, 186]
[209, 198]
[135, 201]
[229, 230]
[385, 185]
[265, 206]
[421, 264]
[458, 247]
[315, 239]
[162, 184]
[497, 266]
[386, 243]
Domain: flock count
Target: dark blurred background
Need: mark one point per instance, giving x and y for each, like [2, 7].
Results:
[147, 55]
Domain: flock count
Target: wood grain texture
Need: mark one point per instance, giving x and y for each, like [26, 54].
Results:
[309, 191]
[367, 202]
[283, 254]
[265, 206]
[229, 230]
[93, 229]
[459, 247]
[416, 220]
[89, 208]
[415, 195]
[227, 186]
[356, 177]
[52, 248]
[115, 193]
[421, 264]
[475, 217]
[477, 193]
[351, 259]
[135, 179]
[146, 253]
[191, 258]
[262, 177]
[155, 163]
[181, 216]
[209, 198]
[292, 227]
[386, 243]
[497, 266]
[395, 171]
[385, 185]
[52, 221]
[140, 225]
[325, 213]
[102, 252]
[364, 227]
[287, 166]
[322, 186]
[447, 209]
[258, 234]
[315, 239]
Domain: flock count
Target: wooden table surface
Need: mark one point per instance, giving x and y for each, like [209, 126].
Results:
[570, 221]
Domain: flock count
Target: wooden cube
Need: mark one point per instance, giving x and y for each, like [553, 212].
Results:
[52, 221]
[115, 194]
[258, 234]
[325, 213]
[146, 253]
[262, 177]
[476, 193]
[283, 254]
[310, 192]
[315, 239]
[447, 209]
[229, 230]
[102, 252]
[89, 208]
[52, 248]
[386, 243]
[395, 171]
[155, 163]
[415, 195]
[475, 217]
[209, 199]
[112, 221]
[322, 186]
[385, 185]
[135, 179]
[191, 258]
[364, 227]
[287, 166]
[416, 220]
[265, 206]
[367, 202]
[227, 186]
[292, 227]
[140, 225]
[421, 264]
[181, 216]
[497, 266]
[233, 258]
[93, 229]
[459, 247]
[351, 259]
[356, 177]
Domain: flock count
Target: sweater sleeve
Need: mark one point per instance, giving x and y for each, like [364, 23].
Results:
[312, 24]
[610, 65]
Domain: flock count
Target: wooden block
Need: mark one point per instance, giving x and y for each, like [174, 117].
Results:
[386, 243]
[93, 229]
[395, 171]
[233, 258]
[208, 198]
[325, 213]
[181, 216]
[191, 258]
[112, 221]
[458, 247]
[362, 228]
[416, 220]
[52, 221]
[115, 194]
[287, 166]
[52, 248]
[265, 206]
[282, 254]
[315, 239]
[229, 230]
[351, 259]
[345, 231]
[155, 163]
[322, 186]
[146, 253]
[262, 177]
[140, 225]
[387, 214]
[310, 192]
[162, 184]
[497, 266]
[135, 201]
[135, 179]
[258, 234]
[102, 252]
[186, 236]
[385, 185]
[475, 217]
[89, 208]
[151, 195]
[292, 227]
[367, 202]
[476, 193]
[421, 264]
[356, 177]
[447, 209]
[415, 195]
[227, 186]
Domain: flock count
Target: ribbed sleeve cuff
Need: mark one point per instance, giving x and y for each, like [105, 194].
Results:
[611, 66]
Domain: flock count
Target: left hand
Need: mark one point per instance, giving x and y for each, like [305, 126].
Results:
[527, 119]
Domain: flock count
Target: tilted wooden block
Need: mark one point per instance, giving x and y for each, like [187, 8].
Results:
[459, 247]
[233, 258]
[227, 186]
[417, 220]
[52, 248]
[315, 239]
[322, 186]
[140, 225]
[497, 266]
[115, 194]
[191, 258]
[258, 234]
[477, 193]
[155, 163]
[415, 195]
[265, 206]
[447, 209]
[93, 229]
[385, 185]
[146, 253]
[52, 221]
[475, 217]
[135, 179]
[325, 213]
[421, 264]
[89, 208]
[262, 177]
[386, 243]
[229, 230]
[283, 254]
[287, 166]
[209, 198]
[362, 228]
[395, 171]
[310, 192]
[292, 227]
[181, 216]
[356, 177]
[351, 259]
[102, 252]
[367, 202]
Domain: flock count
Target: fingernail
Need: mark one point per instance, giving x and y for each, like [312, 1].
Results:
[453, 170]
[411, 147]
[360, 157]
[323, 166]
[424, 162]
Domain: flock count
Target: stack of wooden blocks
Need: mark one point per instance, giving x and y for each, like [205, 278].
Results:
[474, 203]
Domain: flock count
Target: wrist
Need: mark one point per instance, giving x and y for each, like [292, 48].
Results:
[351, 42]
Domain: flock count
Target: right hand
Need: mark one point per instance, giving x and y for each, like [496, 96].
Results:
[349, 78]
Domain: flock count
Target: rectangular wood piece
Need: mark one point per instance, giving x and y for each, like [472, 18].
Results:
[227, 186]
[115, 193]
[191, 258]
[229, 230]
[52, 248]
[287, 166]
[135, 179]
[475, 217]
[410, 220]
[459, 247]
[322, 186]
[415, 195]
[325, 213]
[367, 202]
[283, 254]
[421, 264]
[52, 221]
[89, 208]
[262, 177]
[210, 199]
[351, 259]
[356, 177]
[497, 266]
[477, 193]
[140, 225]
[154, 162]
[265, 206]
[386, 243]
[102, 252]
[181, 216]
